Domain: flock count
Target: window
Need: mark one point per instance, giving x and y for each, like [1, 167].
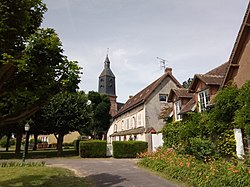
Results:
[127, 123]
[177, 108]
[115, 128]
[163, 97]
[132, 122]
[122, 125]
[139, 120]
[204, 100]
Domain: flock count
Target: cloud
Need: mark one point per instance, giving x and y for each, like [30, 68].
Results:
[193, 36]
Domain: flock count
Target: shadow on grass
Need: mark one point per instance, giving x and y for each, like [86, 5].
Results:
[105, 180]
[40, 180]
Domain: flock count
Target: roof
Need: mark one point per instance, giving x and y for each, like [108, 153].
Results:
[107, 71]
[213, 77]
[144, 94]
[180, 93]
[138, 130]
[238, 47]
[220, 70]
[189, 107]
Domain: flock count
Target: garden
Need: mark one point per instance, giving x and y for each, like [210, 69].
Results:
[200, 150]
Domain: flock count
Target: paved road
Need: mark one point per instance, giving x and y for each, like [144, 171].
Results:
[112, 172]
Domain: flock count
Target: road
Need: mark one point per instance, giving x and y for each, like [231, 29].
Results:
[111, 172]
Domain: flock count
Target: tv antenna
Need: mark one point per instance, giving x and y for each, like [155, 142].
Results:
[162, 63]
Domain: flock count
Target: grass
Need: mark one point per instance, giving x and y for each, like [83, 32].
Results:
[38, 154]
[40, 176]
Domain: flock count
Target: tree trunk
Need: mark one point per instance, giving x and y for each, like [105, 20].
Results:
[18, 143]
[59, 144]
[8, 142]
[35, 141]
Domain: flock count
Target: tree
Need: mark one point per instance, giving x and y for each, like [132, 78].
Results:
[101, 117]
[242, 115]
[43, 71]
[65, 113]
[222, 114]
[187, 83]
[32, 66]
[19, 19]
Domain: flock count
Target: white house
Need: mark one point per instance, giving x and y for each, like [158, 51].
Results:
[139, 118]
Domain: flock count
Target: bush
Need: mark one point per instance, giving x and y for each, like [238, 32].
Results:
[201, 148]
[21, 164]
[3, 142]
[227, 144]
[32, 141]
[128, 149]
[76, 145]
[194, 172]
[93, 149]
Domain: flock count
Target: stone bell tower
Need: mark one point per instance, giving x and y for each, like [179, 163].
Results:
[107, 85]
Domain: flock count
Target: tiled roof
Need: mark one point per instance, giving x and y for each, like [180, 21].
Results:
[138, 130]
[213, 77]
[210, 79]
[180, 93]
[144, 94]
[220, 70]
[189, 106]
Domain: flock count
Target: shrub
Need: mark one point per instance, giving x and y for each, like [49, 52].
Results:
[227, 144]
[3, 142]
[76, 145]
[128, 149]
[171, 134]
[21, 164]
[93, 149]
[201, 148]
[194, 172]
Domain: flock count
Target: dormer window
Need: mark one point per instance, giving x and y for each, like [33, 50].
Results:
[163, 98]
[203, 99]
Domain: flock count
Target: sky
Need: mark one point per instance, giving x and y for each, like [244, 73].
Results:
[193, 37]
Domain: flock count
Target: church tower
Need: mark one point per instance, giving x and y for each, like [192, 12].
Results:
[107, 85]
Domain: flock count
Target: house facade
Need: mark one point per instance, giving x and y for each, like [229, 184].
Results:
[139, 118]
[239, 62]
[179, 97]
[205, 86]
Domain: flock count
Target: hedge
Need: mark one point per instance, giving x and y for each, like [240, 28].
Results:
[128, 149]
[93, 149]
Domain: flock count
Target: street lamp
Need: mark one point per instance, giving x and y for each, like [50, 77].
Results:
[26, 128]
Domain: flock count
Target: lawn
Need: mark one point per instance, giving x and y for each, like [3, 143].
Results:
[39, 176]
[48, 153]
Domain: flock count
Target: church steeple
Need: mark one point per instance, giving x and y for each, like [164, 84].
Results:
[107, 62]
[107, 79]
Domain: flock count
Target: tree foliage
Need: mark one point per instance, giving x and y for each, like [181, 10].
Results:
[32, 65]
[101, 117]
[242, 116]
[65, 113]
[187, 83]
[19, 19]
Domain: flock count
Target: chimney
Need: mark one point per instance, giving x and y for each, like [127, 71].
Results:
[130, 96]
[168, 70]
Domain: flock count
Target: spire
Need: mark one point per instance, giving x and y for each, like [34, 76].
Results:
[107, 62]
